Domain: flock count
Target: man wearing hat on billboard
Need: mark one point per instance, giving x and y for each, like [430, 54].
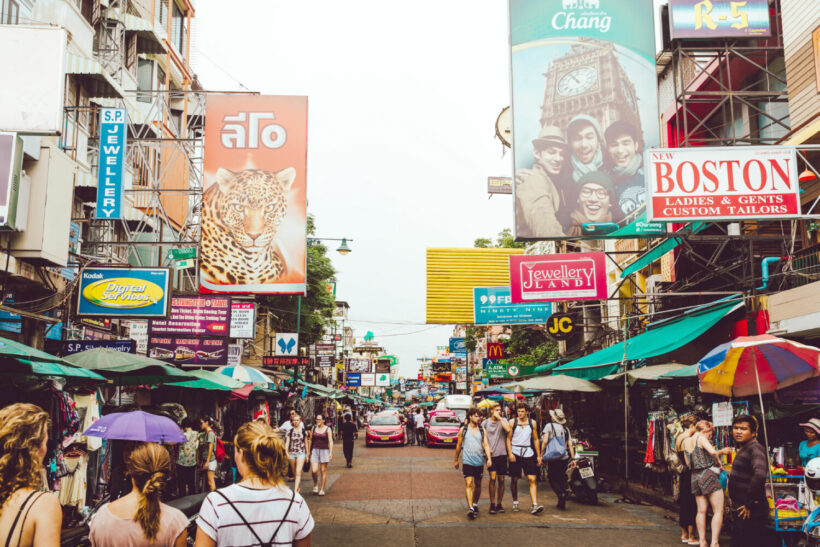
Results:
[585, 140]
[537, 196]
[595, 204]
[624, 161]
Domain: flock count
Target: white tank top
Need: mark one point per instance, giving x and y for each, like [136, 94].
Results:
[522, 440]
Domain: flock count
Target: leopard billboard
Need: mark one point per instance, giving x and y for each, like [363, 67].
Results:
[254, 195]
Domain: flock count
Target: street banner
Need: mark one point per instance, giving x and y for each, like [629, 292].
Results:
[195, 316]
[111, 164]
[494, 306]
[723, 183]
[358, 365]
[354, 379]
[556, 277]
[584, 103]
[123, 292]
[76, 346]
[182, 350]
[710, 19]
[243, 319]
[254, 202]
[498, 370]
[368, 379]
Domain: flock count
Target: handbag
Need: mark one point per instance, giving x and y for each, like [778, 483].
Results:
[556, 448]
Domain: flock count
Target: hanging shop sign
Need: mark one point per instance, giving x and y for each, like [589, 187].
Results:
[76, 346]
[584, 103]
[189, 350]
[287, 344]
[382, 379]
[123, 292]
[710, 19]
[499, 185]
[572, 276]
[138, 332]
[444, 378]
[234, 355]
[11, 164]
[99, 323]
[498, 370]
[457, 345]
[560, 326]
[254, 215]
[368, 379]
[354, 379]
[325, 361]
[723, 183]
[285, 361]
[383, 365]
[243, 319]
[325, 349]
[495, 350]
[442, 366]
[195, 316]
[111, 166]
[494, 306]
[358, 365]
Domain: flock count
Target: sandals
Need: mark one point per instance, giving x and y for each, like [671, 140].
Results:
[321, 492]
[315, 490]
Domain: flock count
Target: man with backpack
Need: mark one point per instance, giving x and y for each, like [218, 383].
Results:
[473, 448]
[559, 453]
[525, 455]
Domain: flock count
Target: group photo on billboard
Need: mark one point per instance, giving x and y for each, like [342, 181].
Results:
[254, 214]
[584, 101]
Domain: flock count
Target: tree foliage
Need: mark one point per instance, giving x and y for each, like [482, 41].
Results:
[504, 240]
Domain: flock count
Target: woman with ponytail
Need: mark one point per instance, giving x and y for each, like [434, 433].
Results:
[260, 509]
[140, 519]
[28, 516]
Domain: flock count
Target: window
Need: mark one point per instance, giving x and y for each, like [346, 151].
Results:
[131, 53]
[145, 79]
[9, 12]
[177, 28]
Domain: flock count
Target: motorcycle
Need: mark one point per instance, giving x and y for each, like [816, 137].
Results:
[582, 480]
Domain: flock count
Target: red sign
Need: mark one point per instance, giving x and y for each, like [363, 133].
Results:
[546, 278]
[726, 183]
[285, 361]
[444, 377]
[495, 350]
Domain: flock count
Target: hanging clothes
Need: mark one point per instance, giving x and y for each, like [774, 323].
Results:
[88, 406]
[74, 485]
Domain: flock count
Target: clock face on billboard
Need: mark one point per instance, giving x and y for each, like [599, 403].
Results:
[503, 126]
[577, 81]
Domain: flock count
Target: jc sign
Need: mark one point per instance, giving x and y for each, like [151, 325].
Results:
[560, 326]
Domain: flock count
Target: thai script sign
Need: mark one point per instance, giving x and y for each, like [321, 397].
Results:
[711, 19]
[123, 292]
[111, 165]
[498, 370]
[494, 306]
[195, 316]
[723, 183]
[544, 278]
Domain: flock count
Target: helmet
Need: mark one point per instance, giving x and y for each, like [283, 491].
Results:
[812, 474]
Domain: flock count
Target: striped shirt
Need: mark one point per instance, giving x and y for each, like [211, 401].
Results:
[263, 509]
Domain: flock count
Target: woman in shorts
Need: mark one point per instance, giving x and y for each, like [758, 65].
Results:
[321, 452]
[296, 445]
[704, 461]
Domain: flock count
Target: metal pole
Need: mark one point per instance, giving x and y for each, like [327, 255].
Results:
[298, 328]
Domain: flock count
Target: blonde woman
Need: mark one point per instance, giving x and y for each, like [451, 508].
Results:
[296, 446]
[139, 518]
[28, 516]
[260, 509]
[704, 462]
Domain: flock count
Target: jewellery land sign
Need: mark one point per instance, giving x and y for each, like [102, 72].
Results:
[254, 202]
[111, 163]
[195, 316]
[243, 319]
[494, 306]
[76, 346]
[188, 350]
[710, 19]
[722, 183]
[498, 370]
[584, 108]
[123, 292]
[545, 278]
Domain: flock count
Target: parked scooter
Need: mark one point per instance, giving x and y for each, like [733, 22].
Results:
[582, 480]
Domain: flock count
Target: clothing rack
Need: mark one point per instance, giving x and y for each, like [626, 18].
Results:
[723, 434]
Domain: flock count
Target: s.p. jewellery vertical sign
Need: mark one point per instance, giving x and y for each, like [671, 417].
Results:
[111, 163]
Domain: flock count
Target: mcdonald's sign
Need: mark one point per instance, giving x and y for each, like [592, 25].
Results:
[495, 350]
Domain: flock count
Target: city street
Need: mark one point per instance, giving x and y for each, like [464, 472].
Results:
[413, 496]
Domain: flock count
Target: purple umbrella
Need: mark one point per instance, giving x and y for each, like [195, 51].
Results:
[136, 426]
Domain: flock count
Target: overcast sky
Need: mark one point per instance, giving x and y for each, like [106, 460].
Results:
[403, 98]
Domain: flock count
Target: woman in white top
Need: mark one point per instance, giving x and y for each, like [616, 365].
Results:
[260, 509]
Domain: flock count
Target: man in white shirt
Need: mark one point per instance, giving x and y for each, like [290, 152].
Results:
[525, 455]
[419, 423]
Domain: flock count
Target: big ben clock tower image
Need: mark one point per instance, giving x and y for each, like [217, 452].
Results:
[589, 80]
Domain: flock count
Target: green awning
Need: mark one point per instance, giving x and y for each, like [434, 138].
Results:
[541, 369]
[210, 380]
[669, 336]
[640, 228]
[654, 254]
[686, 372]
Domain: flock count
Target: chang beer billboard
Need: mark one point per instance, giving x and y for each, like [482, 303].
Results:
[123, 292]
[254, 215]
[584, 102]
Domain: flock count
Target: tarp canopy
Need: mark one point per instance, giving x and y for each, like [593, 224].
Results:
[210, 380]
[25, 367]
[128, 368]
[653, 372]
[559, 382]
[541, 369]
[667, 337]
[686, 372]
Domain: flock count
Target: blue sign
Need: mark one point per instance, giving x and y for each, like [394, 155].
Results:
[123, 292]
[111, 163]
[493, 306]
[76, 346]
[457, 345]
[354, 379]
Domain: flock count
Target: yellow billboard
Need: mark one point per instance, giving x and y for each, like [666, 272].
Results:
[453, 273]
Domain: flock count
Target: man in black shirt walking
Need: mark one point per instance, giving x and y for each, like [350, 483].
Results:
[348, 432]
[747, 484]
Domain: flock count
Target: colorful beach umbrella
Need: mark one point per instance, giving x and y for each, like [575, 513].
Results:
[245, 374]
[751, 365]
[136, 426]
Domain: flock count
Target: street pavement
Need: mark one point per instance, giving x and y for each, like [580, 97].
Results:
[409, 496]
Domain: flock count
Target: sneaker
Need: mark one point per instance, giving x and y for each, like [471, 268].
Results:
[499, 508]
[536, 509]
[475, 508]
[492, 509]
[471, 514]
[515, 507]
[562, 503]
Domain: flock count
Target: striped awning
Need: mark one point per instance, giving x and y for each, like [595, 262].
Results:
[99, 83]
[149, 37]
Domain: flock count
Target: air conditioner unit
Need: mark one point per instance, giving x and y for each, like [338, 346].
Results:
[653, 286]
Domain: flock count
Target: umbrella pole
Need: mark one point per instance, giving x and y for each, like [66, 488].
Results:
[763, 420]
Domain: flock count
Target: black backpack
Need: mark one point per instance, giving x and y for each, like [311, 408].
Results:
[463, 431]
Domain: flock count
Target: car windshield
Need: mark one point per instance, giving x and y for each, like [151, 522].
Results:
[445, 420]
[385, 420]
[461, 413]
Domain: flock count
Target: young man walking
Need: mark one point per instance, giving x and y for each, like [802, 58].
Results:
[525, 456]
[419, 425]
[557, 465]
[348, 433]
[473, 447]
[496, 429]
[747, 490]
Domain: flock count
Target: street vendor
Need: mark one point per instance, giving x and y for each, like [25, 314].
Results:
[810, 448]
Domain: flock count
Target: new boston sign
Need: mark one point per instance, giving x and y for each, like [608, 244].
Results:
[494, 306]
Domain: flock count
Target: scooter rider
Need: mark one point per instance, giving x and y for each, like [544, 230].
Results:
[557, 465]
